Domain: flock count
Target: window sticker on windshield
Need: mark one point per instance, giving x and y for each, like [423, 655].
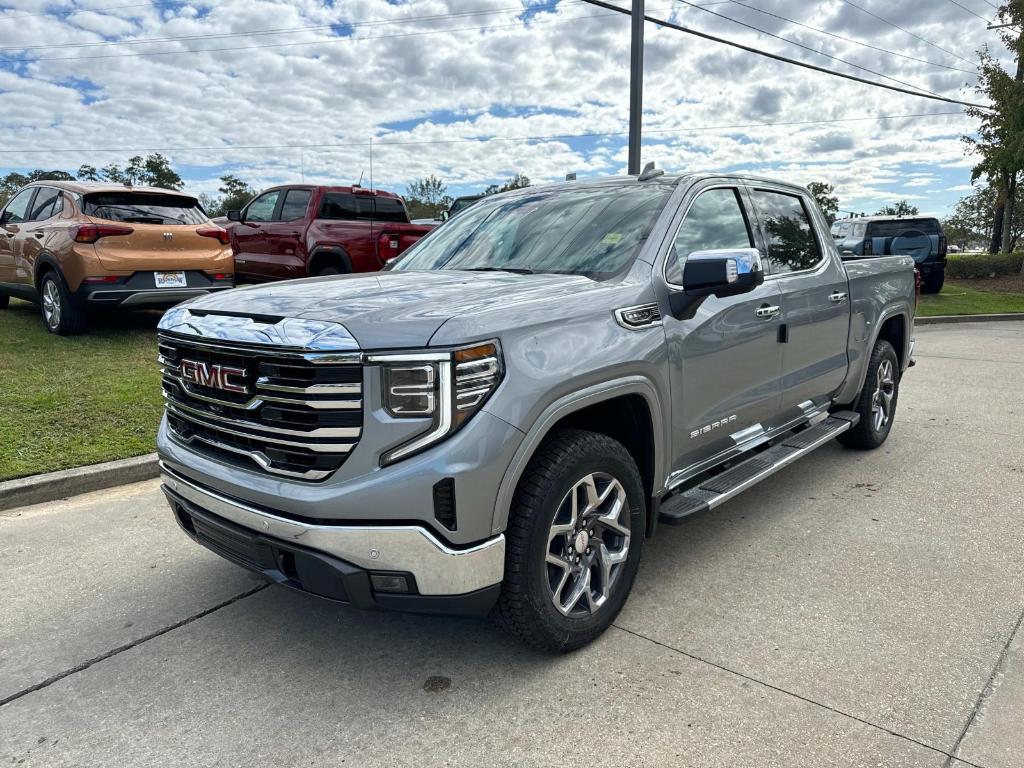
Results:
[612, 238]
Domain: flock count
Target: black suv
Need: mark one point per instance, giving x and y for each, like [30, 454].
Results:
[920, 237]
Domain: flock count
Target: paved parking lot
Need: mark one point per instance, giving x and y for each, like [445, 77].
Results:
[855, 609]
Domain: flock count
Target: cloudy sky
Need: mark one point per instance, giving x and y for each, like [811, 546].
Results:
[280, 90]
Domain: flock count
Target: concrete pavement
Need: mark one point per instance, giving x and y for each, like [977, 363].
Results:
[855, 609]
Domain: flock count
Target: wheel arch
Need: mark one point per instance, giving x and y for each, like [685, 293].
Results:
[328, 254]
[628, 410]
[43, 264]
[895, 327]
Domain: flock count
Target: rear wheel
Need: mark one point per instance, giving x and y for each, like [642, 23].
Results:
[324, 271]
[61, 314]
[877, 402]
[933, 281]
[573, 542]
[4, 300]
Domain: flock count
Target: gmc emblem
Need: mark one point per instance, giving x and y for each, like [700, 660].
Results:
[212, 376]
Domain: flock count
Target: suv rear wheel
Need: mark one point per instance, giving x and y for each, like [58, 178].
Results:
[60, 314]
[573, 542]
[4, 300]
[933, 281]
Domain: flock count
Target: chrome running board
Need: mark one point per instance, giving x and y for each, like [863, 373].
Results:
[718, 489]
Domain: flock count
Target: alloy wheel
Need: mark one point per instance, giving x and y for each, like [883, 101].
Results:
[51, 303]
[885, 391]
[588, 543]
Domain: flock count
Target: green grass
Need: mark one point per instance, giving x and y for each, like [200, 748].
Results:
[959, 298]
[67, 402]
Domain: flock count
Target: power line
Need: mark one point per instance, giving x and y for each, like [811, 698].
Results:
[785, 59]
[851, 40]
[91, 10]
[288, 30]
[332, 40]
[907, 31]
[965, 8]
[807, 48]
[480, 140]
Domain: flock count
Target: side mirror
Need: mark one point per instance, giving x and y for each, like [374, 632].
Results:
[234, 215]
[4, 217]
[726, 272]
[444, 216]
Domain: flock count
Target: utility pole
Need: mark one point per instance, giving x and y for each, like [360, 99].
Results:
[636, 86]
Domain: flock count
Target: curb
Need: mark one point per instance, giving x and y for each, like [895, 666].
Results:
[939, 319]
[37, 489]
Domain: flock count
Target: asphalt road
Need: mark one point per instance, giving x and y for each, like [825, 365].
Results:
[856, 609]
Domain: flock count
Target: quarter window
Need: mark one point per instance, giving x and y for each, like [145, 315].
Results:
[17, 210]
[48, 204]
[714, 221]
[295, 203]
[262, 208]
[787, 227]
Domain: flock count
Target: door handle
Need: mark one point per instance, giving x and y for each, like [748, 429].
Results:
[38, 234]
[767, 311]
[838, 297]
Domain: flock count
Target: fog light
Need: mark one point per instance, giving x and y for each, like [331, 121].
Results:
[389, 582]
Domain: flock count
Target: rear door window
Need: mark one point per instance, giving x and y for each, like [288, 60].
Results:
[792, 246]
[295, 203]
[16, 211]
[48, 203]
[714, 221]
[143, 208]
[263, 207]
[344, 206]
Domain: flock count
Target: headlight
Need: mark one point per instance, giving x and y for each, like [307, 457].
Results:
[447, 387]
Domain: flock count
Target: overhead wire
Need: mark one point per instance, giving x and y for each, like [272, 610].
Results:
[384, 142]
[906, 31]
[807, 48]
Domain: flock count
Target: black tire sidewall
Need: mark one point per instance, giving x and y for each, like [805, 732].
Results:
[591, 455]
[72, 320]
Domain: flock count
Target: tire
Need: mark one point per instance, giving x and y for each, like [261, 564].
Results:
[883, 376]
[61, 314]
[540, 563]
[325, 271]
[932, 283]
[5, 300]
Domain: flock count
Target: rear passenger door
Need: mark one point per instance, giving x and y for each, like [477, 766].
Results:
[38, 229]
[814, 293]
[15, 214]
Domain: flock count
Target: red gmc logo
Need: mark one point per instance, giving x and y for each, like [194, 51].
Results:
[212, 376]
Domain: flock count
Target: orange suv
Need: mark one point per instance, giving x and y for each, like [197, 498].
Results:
[71, 247]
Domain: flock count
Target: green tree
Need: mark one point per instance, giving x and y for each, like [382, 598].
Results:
[426, 198]
[972, 221]
[824, 196]
[902, 208]
[999, 142]
[12, 182]
[151, 171]
[88, 173]
[519, 181]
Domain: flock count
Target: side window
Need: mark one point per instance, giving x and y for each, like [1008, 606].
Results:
[389, 209]
[791, 242]
[16, 211]
[342, 206]
[48, 203]
[715, 220]
[262, 208]
[295, 204]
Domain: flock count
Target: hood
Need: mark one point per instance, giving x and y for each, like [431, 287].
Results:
[394, 310]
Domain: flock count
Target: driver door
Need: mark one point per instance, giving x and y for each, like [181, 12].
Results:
[252, 238]
[725, 361]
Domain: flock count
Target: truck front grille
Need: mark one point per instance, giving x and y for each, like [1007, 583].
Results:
[285, 413]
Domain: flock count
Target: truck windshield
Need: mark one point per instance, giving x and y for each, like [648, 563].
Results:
[592, 231]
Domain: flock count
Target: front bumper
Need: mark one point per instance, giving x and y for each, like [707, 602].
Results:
[442, 579]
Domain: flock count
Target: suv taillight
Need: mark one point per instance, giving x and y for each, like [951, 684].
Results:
[216, 233]
[90, 233]
[942, 247]
[917, 286]
[867, 245]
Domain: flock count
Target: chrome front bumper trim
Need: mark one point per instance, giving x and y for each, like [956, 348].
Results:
[438, 569]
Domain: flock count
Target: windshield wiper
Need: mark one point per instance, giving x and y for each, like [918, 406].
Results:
[516, 270]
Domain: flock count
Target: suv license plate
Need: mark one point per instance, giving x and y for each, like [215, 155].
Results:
[170, 279]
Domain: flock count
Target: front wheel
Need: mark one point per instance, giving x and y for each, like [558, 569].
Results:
[877, 402]
[573, 542]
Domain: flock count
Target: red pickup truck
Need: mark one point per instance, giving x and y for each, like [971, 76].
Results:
[299, 230]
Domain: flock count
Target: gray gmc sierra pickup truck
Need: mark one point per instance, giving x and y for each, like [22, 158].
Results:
[496, 422]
